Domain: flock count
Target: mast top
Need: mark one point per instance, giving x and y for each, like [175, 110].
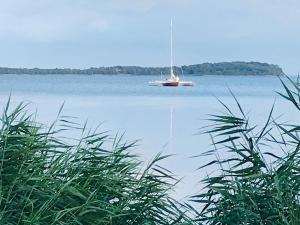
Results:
[171, 48]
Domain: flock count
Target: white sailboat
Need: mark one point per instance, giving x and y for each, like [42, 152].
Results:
[172, 79]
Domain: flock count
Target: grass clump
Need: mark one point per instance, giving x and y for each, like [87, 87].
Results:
[258, 178]
[46, 180]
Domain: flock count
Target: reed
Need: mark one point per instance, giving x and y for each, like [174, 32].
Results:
[46, 179]
[258, 169]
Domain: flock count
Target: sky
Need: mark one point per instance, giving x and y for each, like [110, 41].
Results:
[93, 33]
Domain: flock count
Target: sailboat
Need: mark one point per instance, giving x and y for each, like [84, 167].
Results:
[172, 80]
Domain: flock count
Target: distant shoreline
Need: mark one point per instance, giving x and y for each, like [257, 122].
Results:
[140, 75]
[223, 68]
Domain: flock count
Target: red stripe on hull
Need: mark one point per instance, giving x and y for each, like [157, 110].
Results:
[171, 84]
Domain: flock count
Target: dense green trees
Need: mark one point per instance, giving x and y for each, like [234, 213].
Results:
[225, 68]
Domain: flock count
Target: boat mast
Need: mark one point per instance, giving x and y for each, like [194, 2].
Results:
[171, 67]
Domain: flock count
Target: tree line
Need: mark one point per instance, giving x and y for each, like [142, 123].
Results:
[223, 68]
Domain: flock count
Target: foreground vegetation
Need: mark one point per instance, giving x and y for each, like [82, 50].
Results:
[258, 181]
[47, 179]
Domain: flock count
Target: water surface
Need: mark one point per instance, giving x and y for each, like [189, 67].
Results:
[164, 119]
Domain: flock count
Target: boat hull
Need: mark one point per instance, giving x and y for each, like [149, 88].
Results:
[170, 83]
[155, 83]
[186, 83]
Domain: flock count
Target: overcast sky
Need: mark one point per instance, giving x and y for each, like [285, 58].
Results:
[87, 33]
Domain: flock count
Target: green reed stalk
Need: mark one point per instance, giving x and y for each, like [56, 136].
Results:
[258, 178]
[46, 180]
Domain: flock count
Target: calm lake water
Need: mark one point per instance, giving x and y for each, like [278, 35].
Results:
[164, 119]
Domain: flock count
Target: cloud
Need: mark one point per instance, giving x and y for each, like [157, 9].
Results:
[143, 6]
[120, 31]
[54, 20]
[98, 25]
[46, 21]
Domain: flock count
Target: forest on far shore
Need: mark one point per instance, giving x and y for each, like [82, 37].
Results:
[223, 68]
